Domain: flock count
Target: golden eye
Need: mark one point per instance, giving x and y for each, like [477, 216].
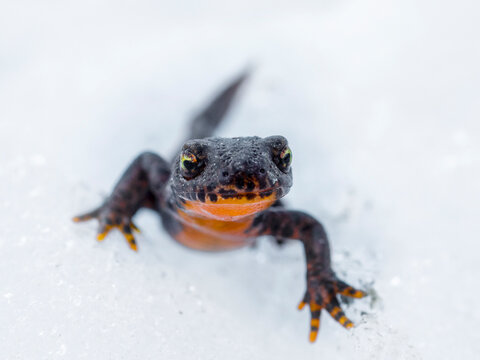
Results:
[286, 157]
[188, 161]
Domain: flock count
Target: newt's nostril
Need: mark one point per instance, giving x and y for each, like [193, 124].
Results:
[262, 171]
[225, 174]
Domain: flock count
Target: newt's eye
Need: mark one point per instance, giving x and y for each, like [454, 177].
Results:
[190, 165]
[285, 159]
[188, 161]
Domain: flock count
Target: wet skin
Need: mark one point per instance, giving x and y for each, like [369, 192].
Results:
[221, 194]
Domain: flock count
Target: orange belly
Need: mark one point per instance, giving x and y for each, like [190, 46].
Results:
[206, 234]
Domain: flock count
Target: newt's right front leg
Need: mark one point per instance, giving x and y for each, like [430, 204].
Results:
[323, 285]
[141, 185]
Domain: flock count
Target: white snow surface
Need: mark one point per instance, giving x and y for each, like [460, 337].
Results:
[380, 103]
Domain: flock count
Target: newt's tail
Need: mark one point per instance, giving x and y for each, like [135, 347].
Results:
[206, 121]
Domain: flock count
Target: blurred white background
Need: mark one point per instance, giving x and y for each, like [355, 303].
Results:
[380, 103]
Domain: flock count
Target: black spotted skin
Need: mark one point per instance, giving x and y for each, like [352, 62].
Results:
[221, 194]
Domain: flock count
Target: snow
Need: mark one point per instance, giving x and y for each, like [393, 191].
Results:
[379, 100]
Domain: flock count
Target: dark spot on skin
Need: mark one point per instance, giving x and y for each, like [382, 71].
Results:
[239, 182]
[213, 197]
[266, 193]
[305, 228]
[287, 231]
[211, 187]
[126, 228]
[250, 196]
[250, 185]
[142, 176]
[262, 184]
[227, 192]
[275, 226]
[201, 195]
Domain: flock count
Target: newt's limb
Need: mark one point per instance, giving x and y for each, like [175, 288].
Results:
[141, 185]
[206, 121]
[323, 286]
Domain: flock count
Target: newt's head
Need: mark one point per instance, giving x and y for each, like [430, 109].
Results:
[228, 178]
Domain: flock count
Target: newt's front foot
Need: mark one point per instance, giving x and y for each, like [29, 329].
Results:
[108, 219]
[322, 294]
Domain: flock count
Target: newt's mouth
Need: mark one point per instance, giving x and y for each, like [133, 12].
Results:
[231, 195]
[228, 204]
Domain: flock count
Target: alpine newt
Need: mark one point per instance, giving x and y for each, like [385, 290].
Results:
[220, 194]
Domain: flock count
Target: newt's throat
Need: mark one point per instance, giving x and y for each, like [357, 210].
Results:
[231, 208]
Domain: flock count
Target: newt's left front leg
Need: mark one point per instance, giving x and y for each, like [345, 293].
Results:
[322, 283]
